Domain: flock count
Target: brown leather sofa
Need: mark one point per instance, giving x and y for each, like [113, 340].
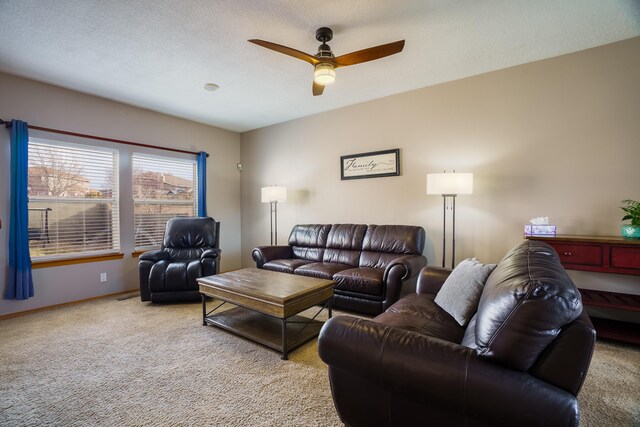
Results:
[369, 263]
[520, 362]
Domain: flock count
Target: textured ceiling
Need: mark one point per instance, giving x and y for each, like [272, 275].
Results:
[158, 54]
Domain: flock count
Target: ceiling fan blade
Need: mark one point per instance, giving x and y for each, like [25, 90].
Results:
[317, 89]
[287, 51]
[369, 54]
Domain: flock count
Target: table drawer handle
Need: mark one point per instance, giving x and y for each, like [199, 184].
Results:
[567, 253]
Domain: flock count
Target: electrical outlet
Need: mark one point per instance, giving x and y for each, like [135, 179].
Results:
[103, 277]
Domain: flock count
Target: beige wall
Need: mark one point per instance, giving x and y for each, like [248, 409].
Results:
[557, 138]
[49, 106]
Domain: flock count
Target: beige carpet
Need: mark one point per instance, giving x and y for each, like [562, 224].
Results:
[110, 362]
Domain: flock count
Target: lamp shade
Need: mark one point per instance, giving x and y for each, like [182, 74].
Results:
[324, 74]
[450, 183]
[274, 193]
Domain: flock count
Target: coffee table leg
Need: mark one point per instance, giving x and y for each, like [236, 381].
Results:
[204, 310]
[330, 312]
[284, 340]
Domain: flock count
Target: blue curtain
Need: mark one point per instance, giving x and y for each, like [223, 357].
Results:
[20, 283]
[202, 183]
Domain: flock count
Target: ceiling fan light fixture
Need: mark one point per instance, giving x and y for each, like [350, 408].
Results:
[324, 74]
[325, 62]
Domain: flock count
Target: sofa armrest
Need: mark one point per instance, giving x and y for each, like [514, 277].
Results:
[561, 363]
[263, 254]
[146, 261]
[409, 362]
[431, 279]
[400, 273]
[411, 265]
[210, 261]
[448, 376]
[155, 256]
[211, 253]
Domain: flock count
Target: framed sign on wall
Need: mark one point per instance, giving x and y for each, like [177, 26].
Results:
[374, 164]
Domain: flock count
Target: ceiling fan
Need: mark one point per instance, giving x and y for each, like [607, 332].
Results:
[325, 63]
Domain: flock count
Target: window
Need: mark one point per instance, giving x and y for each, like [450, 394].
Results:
[73, 200]
[163, 187]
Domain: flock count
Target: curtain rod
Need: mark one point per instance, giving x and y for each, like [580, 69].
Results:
[101, 138]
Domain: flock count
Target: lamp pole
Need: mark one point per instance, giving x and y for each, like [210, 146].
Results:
[453, 231]
[274, 223]
[449, 185]
[444, 229]
[272, 195]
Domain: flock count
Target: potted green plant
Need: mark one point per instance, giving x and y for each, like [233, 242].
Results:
[632, 212]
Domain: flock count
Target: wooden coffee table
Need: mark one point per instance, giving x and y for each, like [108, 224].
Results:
[267, 306]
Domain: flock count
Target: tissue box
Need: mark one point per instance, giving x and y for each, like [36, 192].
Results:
[539, 230]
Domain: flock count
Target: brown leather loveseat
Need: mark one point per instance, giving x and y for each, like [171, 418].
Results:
[369, 263]
[521, 360]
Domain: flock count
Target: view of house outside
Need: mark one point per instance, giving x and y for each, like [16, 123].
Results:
[159, 196]
[73, 205]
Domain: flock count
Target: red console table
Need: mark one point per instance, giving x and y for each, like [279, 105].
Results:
[603, 254]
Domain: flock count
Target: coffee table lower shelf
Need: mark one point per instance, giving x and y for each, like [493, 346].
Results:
[283, 335]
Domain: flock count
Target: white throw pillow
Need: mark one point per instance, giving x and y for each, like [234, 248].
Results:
[460, 293]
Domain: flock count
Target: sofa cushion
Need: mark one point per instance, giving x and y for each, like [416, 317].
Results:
[184, 254]
[175, 276]
[460, 293]
[399, 239]
[526, 301]
[419, 313]
[308, 241]
[285, 265]
[309, 254]
[310, 235]
[186, 238]
[361, 280]
[346, 236]
[341, 256]
[376, 259]
[344, 244]
[321, 270]
[384, 243]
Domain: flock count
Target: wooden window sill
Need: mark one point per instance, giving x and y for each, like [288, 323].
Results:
[136, 254]
[76, 260]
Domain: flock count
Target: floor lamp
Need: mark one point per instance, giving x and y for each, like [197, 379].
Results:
[449, 185]
[272, 195]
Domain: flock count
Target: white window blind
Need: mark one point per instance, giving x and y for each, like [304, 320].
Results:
[163, 187]
[73, 200]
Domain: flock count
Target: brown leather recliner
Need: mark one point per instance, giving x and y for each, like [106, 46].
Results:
[521, 360]
[190, 250]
